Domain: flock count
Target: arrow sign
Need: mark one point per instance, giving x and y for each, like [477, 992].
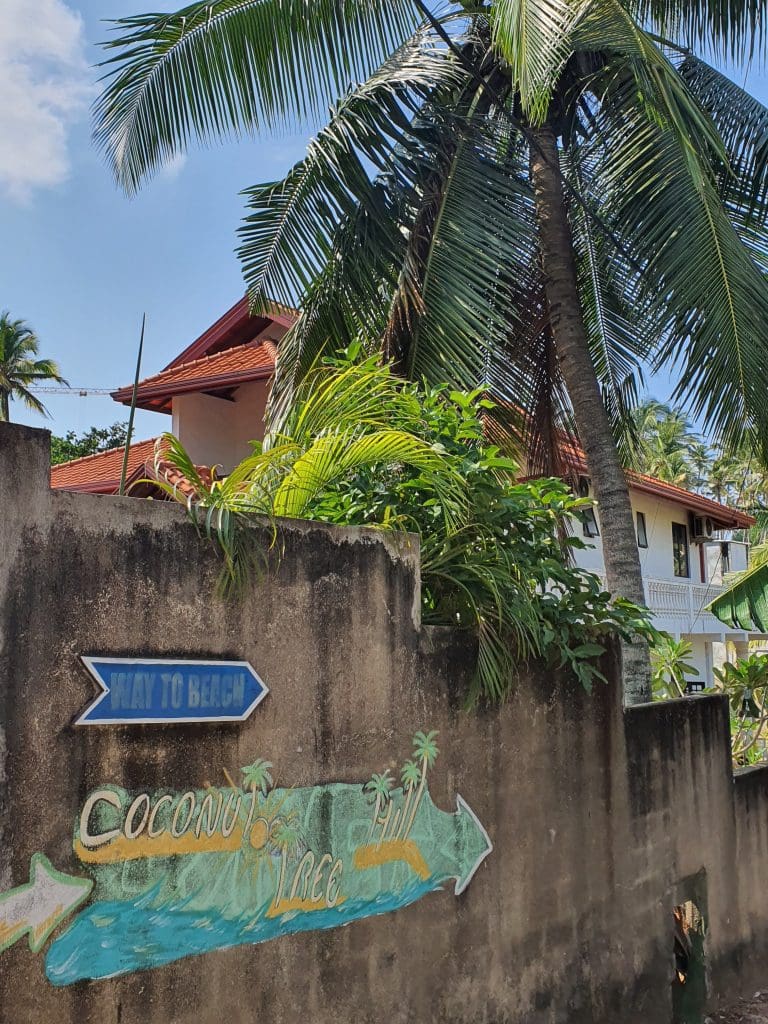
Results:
[179, 874]
[152, 691]
[38, 907]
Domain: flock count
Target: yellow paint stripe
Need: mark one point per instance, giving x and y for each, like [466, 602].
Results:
[374, 856]
[165, 845]
[305, 905]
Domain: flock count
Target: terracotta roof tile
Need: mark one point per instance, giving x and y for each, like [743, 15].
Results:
[726, 517]
[252, 361]
[101, 472]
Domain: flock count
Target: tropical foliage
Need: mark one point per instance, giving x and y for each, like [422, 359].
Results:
[530, 197]
[360, 448]
[745, 683]
[670, 666]
[743, 602]
[20, 369]
[668, 447]
[78, 446]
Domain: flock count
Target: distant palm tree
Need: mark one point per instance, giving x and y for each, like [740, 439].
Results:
[379, 787]
[18, 367]
[425, 750]
[257, 776]
[668, 447]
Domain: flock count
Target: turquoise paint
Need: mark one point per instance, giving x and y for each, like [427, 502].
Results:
[112, 938]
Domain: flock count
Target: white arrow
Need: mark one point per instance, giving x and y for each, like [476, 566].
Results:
[41, 905]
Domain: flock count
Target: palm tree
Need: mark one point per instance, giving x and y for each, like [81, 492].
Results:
[667, 446]
[425, 750]
[378, 786]
[562, 190]
[19, 369]
[257, 775]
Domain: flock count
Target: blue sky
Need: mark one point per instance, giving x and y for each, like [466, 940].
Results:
[81, 262]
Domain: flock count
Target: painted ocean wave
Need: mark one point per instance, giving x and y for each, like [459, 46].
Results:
[113, 937]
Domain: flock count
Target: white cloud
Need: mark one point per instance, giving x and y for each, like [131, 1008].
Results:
[44, 87]
[173, 168]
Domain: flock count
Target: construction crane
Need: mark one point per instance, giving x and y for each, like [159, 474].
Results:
[75, 391]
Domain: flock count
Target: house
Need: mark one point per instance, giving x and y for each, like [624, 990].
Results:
[215, 392]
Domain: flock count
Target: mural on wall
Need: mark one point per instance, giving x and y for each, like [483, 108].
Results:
[177, 874]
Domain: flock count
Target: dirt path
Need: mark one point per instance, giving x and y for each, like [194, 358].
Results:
[746, 1011]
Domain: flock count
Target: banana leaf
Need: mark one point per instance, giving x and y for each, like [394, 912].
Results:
[744, 602]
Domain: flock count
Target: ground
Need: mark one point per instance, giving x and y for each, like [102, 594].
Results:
[746, 1011]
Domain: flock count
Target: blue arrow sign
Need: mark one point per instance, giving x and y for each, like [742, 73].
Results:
[153, 691]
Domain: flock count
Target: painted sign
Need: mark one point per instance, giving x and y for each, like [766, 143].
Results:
[176, 874]
[38, 907]
[153, 691]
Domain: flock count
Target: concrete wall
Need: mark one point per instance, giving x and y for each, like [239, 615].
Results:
[601, 821]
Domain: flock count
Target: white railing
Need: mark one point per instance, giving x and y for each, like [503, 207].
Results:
[682, 604]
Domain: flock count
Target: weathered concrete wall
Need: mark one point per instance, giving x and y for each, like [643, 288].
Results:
[601, 822]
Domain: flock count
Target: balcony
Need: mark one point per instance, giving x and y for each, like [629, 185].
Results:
[679, 606]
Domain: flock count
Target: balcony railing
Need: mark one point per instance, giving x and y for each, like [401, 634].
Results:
[682, 604]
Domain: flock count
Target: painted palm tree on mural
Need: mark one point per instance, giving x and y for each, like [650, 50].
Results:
[561, 190]
[379, 788]
[20, 370]
[425, 750]
[410, 777]
[257, 776]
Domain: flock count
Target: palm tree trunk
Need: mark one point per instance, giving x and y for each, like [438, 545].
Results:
[5, 407]
[622, 561]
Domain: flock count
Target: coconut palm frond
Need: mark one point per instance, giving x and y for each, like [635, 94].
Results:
[287, 236]
[223, 67]
[730, 30]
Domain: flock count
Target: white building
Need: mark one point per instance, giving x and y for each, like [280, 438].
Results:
[214, 394]
[684, 546]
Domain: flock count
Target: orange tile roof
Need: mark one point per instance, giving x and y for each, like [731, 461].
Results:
[100, 473]
[233, 366]
[724, 516]
[140, 486]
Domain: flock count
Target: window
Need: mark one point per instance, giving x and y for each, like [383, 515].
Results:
[725, 557]
[591, 528]
[680, 550]
[642, 532]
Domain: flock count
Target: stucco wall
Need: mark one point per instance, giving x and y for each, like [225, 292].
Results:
[601, 821]
[217, 431]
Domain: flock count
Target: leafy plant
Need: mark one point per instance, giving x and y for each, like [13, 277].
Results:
[669, 666]
[743, 602]
[746, 685]
[540, 197]
[78, 446]
[362, 448]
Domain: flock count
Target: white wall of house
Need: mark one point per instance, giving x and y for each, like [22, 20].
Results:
[656, 559]
[216, 431]
[678, 602]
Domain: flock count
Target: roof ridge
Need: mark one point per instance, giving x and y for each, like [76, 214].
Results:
[105, 451]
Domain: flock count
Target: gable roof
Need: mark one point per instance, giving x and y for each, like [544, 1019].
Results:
[234, 328]
[218, 372]
[100, 473]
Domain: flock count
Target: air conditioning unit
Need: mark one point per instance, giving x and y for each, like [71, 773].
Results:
[703, 528]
